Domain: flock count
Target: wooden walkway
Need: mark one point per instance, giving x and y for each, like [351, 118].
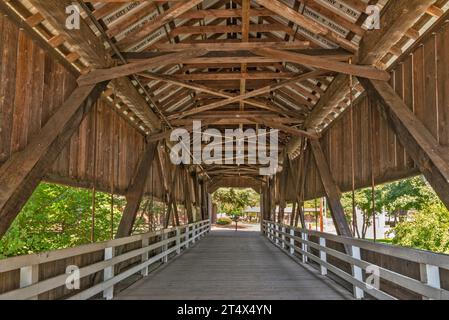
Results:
[233, 265]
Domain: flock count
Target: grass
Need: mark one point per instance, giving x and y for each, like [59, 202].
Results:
[386, 241]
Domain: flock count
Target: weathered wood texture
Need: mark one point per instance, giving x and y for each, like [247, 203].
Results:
[11, 280]
[33, 85]
[422, 80]
[233, 265]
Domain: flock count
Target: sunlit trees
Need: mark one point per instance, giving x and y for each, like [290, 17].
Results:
[427, 229]
[58, 217]
[234, 201]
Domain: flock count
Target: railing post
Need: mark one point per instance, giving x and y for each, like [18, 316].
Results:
[304, 246]
[323, 256]
[430, 275]
[193, 234]
[292, 241]
[268, 230]
[165, 246]
[283, 237]
[276, 234]
[29, 275]
[108, 273]
[357, 273]
[145, 243]
[187, 236]
[178, 240]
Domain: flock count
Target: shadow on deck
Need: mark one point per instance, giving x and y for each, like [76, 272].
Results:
[234, 265]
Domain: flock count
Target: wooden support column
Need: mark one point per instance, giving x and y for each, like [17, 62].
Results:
[419, 143]
[21, 174]
[204, 200]
[283, 188]
[300, 187]
[135, 191]
[172, 207]
[188, 197]
[332, 190]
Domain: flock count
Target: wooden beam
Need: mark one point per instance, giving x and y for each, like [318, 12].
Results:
[287, 129]
[397, 18]
[229, 46]
[218, 93]
[159, 21]
[135, 191]
[223, 13]
[166, 134]
[21, 174]
[313, 26]
[419, 143]
[244, 75]
[325, 64]
[99, 75]
[91, 48]
[333, 193]
[172, 207]
[247, 95]
[188, 196]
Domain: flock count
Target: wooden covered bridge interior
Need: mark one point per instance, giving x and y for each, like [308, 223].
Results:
[92, 102]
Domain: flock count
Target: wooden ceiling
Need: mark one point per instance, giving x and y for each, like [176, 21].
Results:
[239, 63]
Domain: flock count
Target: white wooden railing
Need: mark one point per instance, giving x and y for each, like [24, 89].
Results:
[296, 242]
[171, 242]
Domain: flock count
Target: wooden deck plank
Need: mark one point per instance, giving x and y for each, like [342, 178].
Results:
[233, 265]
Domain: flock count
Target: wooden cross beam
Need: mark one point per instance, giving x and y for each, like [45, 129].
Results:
[287, 129]
[228, 46]
[247, 95]
[313, 26]
[419, 143]
[218, 93]
[325, 64]
[22, 173]
[99, 75]
[159, 21]
[155, 137]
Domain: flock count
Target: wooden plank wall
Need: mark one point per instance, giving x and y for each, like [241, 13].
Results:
[32, 86]
[421, 78]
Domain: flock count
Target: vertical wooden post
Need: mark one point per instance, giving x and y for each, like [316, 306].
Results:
[292, 241]
[357, 273]
[304, 246]
[108, 273]
[187, 236]
[430, 275]
[29, 275]
[165, 246]
[323, 256]
[178, 240]
[283, 237]
[145, 256]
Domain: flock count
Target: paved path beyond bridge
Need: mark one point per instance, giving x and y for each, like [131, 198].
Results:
[234, 265]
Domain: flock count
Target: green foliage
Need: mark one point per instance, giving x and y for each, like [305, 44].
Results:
[428, 229]
[409, 194]
[58, 217]
[233, 202]
[224, 221]
[396, 198]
